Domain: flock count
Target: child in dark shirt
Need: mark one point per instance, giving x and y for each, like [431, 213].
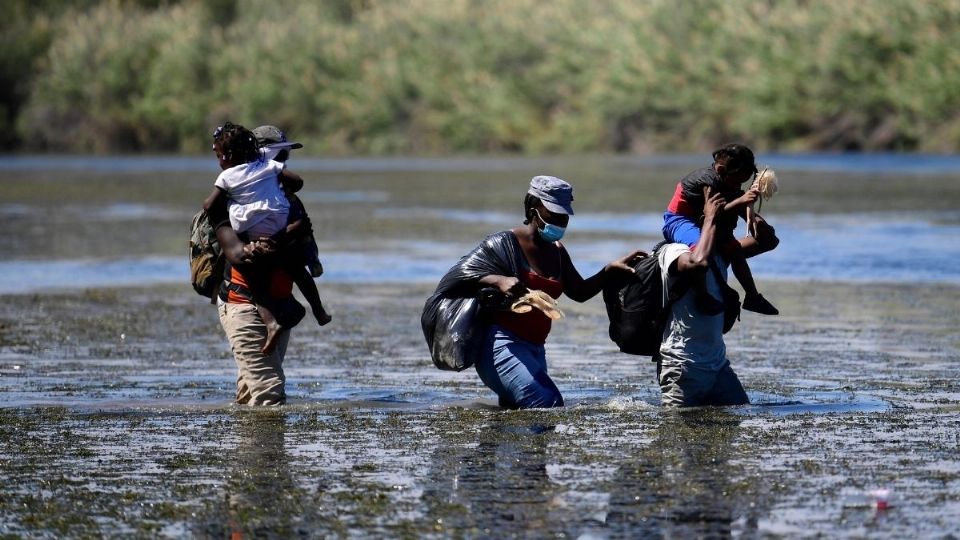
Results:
[733, 165]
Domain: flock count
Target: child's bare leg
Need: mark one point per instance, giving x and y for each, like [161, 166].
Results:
[273, 329]
[309, 290]
[743, 274]
[257, 281]
[299, 220]
[313, 257]
[737, 251]
[752, 300]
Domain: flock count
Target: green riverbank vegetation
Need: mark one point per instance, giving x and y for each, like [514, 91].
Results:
[483, 76]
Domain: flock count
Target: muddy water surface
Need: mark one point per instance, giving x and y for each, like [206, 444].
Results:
[115, 415]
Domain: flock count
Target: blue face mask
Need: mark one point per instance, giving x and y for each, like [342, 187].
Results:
[550, 232]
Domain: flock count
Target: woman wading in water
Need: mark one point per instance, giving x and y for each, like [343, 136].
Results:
[511, 359]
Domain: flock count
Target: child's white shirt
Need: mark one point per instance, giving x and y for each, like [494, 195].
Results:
[257, 205]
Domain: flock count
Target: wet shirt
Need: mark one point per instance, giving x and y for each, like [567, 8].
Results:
[532, 326]
[691, 338]
[688, 199]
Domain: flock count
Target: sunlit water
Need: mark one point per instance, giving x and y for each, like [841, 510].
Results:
[844, 237]
[115, 380]
[885, 247]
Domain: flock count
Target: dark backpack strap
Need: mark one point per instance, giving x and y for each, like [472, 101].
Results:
[227, 286]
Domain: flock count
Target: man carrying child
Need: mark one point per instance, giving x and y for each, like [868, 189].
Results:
[692, 364]
[253, 222]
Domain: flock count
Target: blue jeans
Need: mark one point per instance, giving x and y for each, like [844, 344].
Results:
[517, 371]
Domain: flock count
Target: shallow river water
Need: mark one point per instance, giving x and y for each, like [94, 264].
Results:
[115, 379]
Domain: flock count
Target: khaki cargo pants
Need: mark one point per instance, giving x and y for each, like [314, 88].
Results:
[260, 379]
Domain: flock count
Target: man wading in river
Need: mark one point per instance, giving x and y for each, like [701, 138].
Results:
[692, 365]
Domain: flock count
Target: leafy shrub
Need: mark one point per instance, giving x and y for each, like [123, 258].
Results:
[431, 76]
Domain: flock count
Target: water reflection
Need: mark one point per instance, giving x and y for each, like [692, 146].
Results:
[686, 484]
[261, 496]
[498, 489]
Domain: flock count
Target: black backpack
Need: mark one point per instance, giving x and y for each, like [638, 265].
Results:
[635, 307]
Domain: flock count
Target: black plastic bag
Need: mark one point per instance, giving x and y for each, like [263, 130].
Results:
[453, 320]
